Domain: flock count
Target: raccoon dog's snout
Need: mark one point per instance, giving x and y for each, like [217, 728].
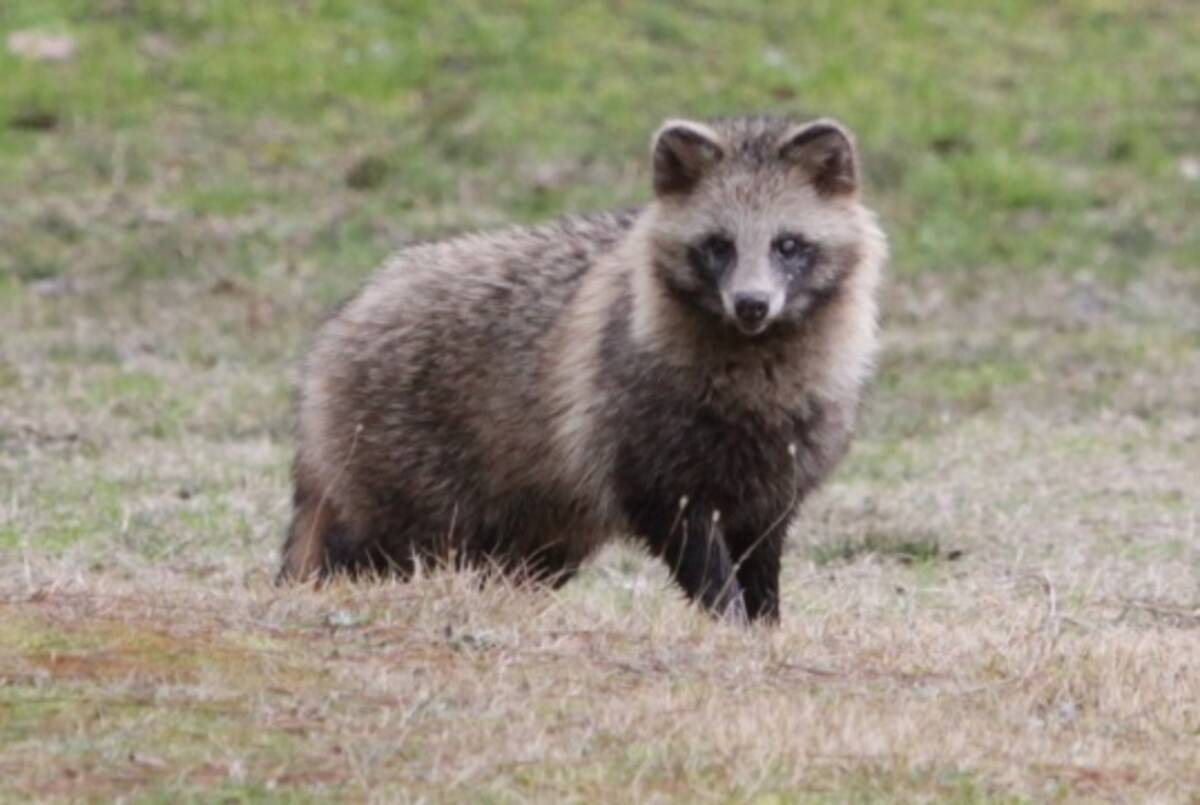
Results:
[750, 309]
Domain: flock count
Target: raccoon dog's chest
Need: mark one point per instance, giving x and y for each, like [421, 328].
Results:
[682, 441]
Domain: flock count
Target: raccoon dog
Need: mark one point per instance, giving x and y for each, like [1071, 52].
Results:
[682, 375]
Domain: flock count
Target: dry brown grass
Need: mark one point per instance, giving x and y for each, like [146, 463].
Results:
[987, 682]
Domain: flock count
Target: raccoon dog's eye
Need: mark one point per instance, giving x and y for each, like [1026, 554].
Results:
[719, 249]
[712, 256]
[796, 252]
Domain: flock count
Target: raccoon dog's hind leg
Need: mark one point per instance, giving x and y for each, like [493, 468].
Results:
[318, 544]
[304, 550]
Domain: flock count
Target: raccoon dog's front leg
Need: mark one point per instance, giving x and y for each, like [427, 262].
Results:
[757, 566]
[699, 560]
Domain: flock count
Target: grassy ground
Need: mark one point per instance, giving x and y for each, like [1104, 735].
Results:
[998, 598]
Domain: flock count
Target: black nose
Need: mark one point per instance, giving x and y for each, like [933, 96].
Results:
[751, 308]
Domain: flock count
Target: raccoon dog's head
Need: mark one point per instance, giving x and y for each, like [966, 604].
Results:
[756, 220]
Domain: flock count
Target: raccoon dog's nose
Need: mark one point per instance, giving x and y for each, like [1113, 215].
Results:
[751, 308]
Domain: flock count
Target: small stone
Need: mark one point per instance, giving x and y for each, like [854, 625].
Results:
[41, 46]
[1189, 168]
[345, 619]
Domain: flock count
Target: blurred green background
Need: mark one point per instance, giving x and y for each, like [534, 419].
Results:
[216, 136]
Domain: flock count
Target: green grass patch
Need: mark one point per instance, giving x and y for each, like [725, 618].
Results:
[908, 549]
[446, 114]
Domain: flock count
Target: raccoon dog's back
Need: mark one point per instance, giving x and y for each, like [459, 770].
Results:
[422, 405]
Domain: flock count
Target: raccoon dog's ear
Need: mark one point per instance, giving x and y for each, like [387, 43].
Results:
[824, 149]
[684, 151]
